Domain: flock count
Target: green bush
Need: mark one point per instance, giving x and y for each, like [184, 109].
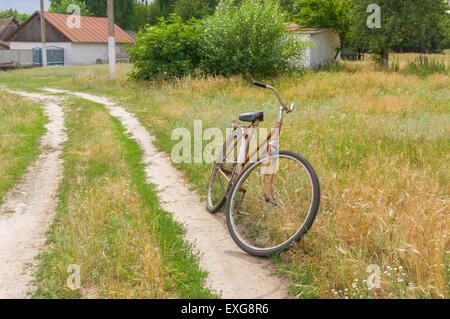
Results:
[169, 49]
[249, 38]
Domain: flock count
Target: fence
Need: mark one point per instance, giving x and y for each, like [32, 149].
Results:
[21, 58]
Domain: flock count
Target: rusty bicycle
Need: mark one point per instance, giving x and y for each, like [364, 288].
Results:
[272, 201]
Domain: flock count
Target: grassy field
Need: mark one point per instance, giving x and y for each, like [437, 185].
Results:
[378, 140]
[21, 125]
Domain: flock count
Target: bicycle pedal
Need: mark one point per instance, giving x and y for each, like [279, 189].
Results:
[271, 201]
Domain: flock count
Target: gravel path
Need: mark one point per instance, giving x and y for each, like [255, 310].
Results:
[29, 208]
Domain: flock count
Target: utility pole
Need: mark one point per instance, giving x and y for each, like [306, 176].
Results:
[111, 40]
[43, 37]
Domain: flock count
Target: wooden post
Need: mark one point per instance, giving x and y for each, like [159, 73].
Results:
[111, 40]
[43, 37]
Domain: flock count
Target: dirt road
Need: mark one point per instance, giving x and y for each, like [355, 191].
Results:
[29, 208]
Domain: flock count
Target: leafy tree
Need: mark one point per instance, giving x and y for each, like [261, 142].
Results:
[146, 13]
[401, 21]
[446, 26]
[289, 6]
[12, 13]
[123, 11]
[325, 13]
[427, 28]
[60, 6]
[198, 9]
[167, 7]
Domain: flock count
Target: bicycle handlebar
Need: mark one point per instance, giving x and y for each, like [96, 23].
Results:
[280, 99]
[261, 85]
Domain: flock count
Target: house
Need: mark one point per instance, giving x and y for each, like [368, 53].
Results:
[326, 42]
[85, 43]
[7, 27]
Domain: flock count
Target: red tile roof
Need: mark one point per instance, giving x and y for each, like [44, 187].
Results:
[92, 29]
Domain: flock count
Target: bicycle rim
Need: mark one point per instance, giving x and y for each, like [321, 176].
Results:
[222, 175]
[263, 224]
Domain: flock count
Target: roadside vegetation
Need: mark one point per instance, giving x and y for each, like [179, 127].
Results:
[379, 141]
[249, 39]
[109, 223]
[21, 125]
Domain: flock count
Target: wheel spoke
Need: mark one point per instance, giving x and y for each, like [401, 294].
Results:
[267, 225]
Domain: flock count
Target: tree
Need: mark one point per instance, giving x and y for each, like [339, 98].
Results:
[289, 6]
[61, 6]
[400, 21]
[427, 29]
[167, 7]
[198, 9]
[146, 13]
[123, 11]
[325, 13]
[12, 13]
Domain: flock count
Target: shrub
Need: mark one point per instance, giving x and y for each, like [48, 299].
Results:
[169, 49]
[249, 38]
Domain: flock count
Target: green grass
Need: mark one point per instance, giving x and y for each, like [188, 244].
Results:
[109, 222]
[21, 125]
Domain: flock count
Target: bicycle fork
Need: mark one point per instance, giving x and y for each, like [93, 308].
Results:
[274, 144]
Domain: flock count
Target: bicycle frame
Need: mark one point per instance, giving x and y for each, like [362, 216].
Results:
[273, 137]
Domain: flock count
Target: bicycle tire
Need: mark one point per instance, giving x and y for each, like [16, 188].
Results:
[307, 223]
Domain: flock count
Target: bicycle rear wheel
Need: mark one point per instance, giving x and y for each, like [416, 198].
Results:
[263, 223]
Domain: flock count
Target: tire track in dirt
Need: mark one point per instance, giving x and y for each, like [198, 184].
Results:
[231, 271]
[29, 207]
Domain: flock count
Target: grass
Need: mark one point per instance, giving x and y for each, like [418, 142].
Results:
[109, 222]
[378, 140]
[422, 65]
[405, 58]
[21, 125]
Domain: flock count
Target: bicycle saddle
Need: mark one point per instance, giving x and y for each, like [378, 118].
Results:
[252, 117]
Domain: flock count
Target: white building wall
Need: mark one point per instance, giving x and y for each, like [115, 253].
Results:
[76, 53]
[31, 45]
[324, 50]
[88, 53]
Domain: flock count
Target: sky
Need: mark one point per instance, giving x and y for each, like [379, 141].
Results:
[23, 6]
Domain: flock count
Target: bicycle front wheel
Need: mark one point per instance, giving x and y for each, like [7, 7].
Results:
[273, 203]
